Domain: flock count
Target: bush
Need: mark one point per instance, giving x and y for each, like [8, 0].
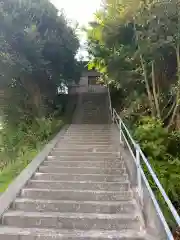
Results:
[18, 146]
[174, 144]
[162, 150]
[16, 142]
[152, 137]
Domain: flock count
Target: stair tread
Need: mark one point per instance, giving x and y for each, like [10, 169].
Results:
[73, 233]
[85, 158]
[104, 168]
[112, 203]
[92, 174]
[85, 161]
[50, 181]
[81, 177]
[78, 190]
[72, 215]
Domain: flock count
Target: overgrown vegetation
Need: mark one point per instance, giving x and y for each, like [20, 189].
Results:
[136, 46]
[37, 56]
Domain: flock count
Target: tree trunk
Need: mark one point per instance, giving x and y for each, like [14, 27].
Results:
[176, 109]
[154, 92]
[147, 86]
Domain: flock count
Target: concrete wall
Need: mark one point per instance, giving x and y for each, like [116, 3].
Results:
[86, 74]
[91, 73]
[84, 81]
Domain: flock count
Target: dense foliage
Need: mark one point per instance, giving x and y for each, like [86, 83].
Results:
[136, 46]
[37, 50]
[37, 56]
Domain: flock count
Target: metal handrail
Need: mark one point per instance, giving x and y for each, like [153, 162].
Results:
[140, 174]
[110, 104]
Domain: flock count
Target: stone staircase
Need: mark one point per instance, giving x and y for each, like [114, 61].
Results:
[93, 109]
[81, 191]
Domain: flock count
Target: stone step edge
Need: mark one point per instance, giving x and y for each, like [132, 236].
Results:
[93, 182]
[53, 233]
[72, 215]
[119, 161]
[66, 150]
[85, 157]
[108, 203]
[59, 167]
[80, 191]
[67, 174]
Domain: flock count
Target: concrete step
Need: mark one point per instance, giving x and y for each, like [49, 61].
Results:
[80, 121]
[90, 126]
[91, 137]
[83, 221]
[90, 109]
[83, 158]
[40, 205]
[117, 186]
[81, 177]
[76, 128]
[83, 164]
[103, 128]
[90, 112]
[95, 121]
[85, 145]
[85, 154]
[84, 142]
[88, 132]
[80, 170]
[96, 117]
[98, 107]
[94, 108]
[15, 233]
[85, 148]
[94, 140]
[88, 137]
[94, 111]
[78, 195]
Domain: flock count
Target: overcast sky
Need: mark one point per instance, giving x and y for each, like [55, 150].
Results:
[81, 11]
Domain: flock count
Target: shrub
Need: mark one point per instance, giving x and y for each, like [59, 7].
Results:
[162, 151]
[152, 137]
[174, 144]
[16, 142]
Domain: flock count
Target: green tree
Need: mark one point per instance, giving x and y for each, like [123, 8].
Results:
[135, 45]
[37, 55]
[37, 51]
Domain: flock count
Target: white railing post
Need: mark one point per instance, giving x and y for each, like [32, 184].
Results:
[139, 182]
[110, 104]
[113, 116]
[120, 130]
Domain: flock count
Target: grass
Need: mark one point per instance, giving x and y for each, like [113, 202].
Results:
[9, 173]
[14, 168]
[16, 165]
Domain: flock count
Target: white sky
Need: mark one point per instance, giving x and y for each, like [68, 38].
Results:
[81, 11]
